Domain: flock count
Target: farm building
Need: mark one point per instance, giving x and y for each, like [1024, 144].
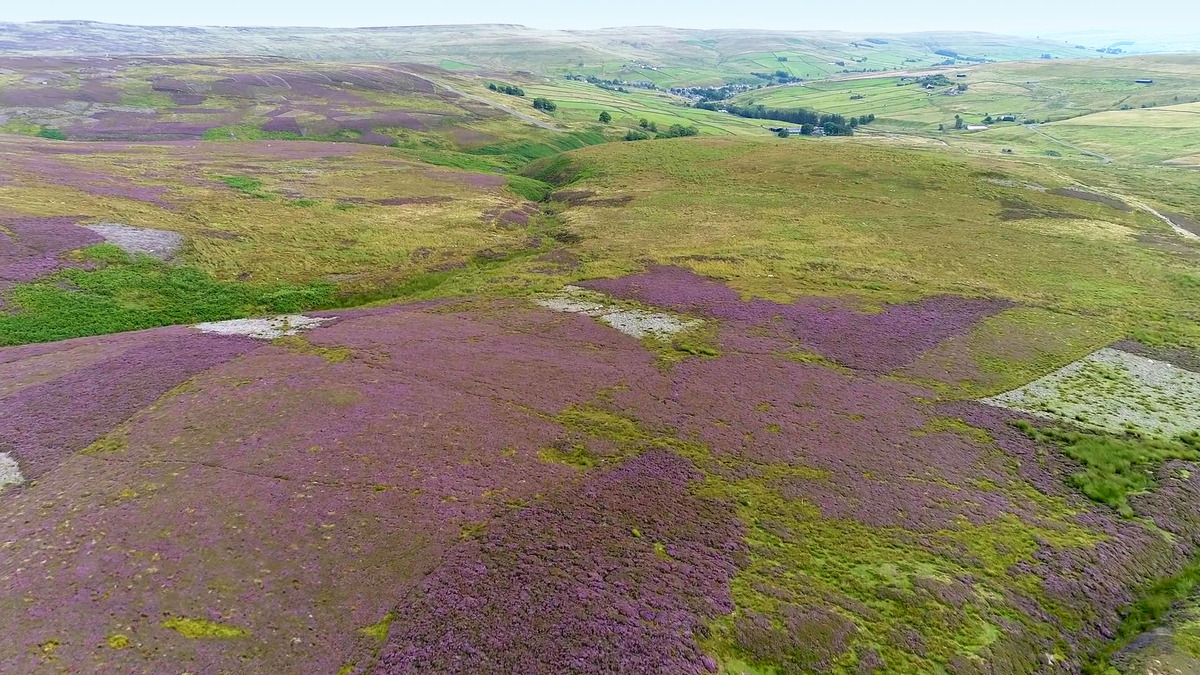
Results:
[961, 75]
[976, 127]
[1144, 81]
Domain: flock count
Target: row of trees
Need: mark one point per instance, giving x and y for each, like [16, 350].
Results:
[832, 124]
[506, 89]
[650, 130]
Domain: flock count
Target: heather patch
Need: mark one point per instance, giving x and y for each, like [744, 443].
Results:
[1007, 350]
[32, 247]
[57, 413]
[879, 342]
[616, 575]
[475, 180]
[264, 329]
[68, 174]
[744, 509]
[1077, 193]
[1114, 391]
[1188, 359]
[160, 244]
[341, 484]
[1184, 223]
[634, 322]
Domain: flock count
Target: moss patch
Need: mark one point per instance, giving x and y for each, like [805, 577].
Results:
[202, 629]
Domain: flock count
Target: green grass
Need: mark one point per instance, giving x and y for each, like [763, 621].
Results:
[1037, 90]
[581, 103]
[1114, 468]
[125, 294]
[1147, 611]
[529, 188]
[246, 185]
[199, 629]
[797, 557]
[839, 217]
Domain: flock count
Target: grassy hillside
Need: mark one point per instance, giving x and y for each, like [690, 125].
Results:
[1038, 90]
[786, 217]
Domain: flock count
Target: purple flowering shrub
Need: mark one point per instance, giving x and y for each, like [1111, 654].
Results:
[616, 574]
[281, 493]
[94, 385]
[490, 487]
[876, 343]
[47, 169]
[31, 247]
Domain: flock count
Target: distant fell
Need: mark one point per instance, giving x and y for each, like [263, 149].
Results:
[665, 56]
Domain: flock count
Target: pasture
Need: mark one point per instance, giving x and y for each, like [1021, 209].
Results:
[1039, 90]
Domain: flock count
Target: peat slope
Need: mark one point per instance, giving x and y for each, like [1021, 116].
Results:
[479, 486]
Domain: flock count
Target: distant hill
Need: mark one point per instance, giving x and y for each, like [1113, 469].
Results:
[665, 56]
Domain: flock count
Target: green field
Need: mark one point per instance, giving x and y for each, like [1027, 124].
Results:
[1038, 90]
[580, 104]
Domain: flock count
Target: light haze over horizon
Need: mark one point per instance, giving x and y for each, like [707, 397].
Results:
[1149, 17]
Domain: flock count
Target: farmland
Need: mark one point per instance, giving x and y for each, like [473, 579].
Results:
[1040, 90]
[341, 360]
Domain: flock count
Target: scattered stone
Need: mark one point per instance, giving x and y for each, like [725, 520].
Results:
[10, 473]
[1114, 391]
[635, 322]
[264, 329]
[160, 244]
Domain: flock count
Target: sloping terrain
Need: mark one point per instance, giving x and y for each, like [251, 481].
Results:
[667, 56]
[1030, 90]
[158, 98]
[319, 366]
[433, 487]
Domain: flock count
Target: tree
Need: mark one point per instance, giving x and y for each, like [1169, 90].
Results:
[678, 130]
[958, 123]
[52, 134]
[605, 118]
[783, 133]
[644, 123]
[807, 129]
[541, 103]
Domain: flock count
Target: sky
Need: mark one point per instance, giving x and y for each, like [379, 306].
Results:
[1172, 17]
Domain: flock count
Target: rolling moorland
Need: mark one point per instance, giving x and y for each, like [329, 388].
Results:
[484, 349]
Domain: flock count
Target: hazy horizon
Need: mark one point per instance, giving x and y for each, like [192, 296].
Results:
[1153, 18]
